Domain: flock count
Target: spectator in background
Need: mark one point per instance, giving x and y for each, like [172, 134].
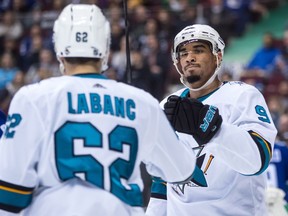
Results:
[34, 16]
[283, 92]
[115, 15]
[214, 15]
[118, 60]
[276, 107]
[49, 16]
[10, 26]
[166, 29]
[116, 34]
[281, 66]
[17, 5]
[8, 69]
[178, 6]
[26, 41]
[10, 45]
[117, 26]
[46, 67]
[261, 65]
[8, 92]
[279, 72]
[30, 45]
[138, 21]
[141, 75]
[242, 11]
[187, 16]
[283, 127]
[150, 28]
[158, 66]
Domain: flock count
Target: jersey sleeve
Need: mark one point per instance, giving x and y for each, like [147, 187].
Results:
[170, 159]
[246, 141]
[18, 154]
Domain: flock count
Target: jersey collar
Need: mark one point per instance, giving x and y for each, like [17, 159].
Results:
[91, 75]
[185, 93]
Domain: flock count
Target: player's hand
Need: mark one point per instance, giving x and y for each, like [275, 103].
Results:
[190, 116]
[209, 123]
[180, 114]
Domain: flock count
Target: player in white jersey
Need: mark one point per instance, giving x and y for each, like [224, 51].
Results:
[232, 159]
[73, 144]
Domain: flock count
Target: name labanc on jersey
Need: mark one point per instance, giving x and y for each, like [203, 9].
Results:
[80, 103]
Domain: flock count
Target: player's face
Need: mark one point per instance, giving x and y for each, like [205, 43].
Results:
[197, 63]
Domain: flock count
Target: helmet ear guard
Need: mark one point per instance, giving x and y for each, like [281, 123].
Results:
[82, 30]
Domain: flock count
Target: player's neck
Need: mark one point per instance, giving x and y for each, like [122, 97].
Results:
[210, 88]
[81, 69]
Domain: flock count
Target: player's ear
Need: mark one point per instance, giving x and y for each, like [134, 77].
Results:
[219, 56]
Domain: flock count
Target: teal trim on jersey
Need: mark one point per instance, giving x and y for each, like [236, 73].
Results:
[185, 93]
[91, 75]
[267, 156]
[206, 96]
[14, 199]
[158, 186]
[264, 149]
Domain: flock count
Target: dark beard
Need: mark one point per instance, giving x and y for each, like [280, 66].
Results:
[192, 79]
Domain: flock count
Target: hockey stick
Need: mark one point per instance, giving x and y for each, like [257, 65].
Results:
[128, 61]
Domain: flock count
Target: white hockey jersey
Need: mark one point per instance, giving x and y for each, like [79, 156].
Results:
[229, 181]
[73, 146]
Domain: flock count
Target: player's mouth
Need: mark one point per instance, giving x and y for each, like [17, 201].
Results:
[191, 66]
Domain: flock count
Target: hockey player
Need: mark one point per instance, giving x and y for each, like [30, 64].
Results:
[232, 154]
[277, 174]
[73, 144]
[277, 171]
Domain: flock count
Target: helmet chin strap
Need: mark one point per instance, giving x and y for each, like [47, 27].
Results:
[61, 66]
[209, 81]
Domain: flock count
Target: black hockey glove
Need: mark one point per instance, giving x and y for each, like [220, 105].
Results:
[190, 116]
[183, 113]
[209, 123]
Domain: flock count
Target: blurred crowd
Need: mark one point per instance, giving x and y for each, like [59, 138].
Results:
[27, 55]
[26, 28]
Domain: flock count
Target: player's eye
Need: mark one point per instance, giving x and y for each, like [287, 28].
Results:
[198, 51]
[183, 54]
